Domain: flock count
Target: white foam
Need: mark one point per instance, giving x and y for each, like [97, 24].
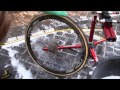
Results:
[21, 71]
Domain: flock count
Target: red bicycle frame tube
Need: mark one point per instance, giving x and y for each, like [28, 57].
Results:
[94, 54]
[65, 47]
[92, 28]
[100, 41]
[75, 46]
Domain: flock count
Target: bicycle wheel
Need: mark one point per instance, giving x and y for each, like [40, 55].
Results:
[51, 31]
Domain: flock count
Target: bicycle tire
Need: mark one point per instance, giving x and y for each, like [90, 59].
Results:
[77, 30]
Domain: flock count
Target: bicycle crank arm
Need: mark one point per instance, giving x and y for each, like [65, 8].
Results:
[65, 47]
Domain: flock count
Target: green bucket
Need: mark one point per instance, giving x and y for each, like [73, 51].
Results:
[59, 13]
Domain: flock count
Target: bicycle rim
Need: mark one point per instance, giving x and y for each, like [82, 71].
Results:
[60, 62]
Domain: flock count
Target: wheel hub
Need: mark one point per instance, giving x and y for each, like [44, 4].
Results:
[52, 47]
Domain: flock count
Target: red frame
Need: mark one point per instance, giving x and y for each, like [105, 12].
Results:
[108, 31]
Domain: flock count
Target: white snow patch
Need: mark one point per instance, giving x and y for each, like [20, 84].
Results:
[22, 72]
[91, 72]
[78, 77]
[111, 77]
[7, 65]
[85, 18]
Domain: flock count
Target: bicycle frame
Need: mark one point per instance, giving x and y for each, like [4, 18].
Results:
[108, 32]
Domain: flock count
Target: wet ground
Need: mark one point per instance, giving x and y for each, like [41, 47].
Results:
[15, 58]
